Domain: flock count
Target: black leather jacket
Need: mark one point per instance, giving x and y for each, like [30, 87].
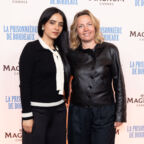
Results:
[98, 78]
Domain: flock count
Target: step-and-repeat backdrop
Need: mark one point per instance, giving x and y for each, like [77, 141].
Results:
[122, 23]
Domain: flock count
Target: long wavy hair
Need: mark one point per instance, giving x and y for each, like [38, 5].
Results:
[75, 41]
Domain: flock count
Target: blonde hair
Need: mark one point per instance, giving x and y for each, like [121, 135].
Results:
[74, 38]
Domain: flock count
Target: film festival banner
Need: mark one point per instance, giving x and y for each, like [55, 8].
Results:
[121, 23]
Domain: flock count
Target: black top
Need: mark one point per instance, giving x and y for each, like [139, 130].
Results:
[37, 76]
[96, 73]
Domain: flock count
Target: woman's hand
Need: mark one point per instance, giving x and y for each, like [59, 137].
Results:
[28, 125]
[117, 124]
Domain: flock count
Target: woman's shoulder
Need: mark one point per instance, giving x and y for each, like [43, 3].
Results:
[73, 55]
[30, 48]
[31, 44]
[73, 52]
[110, 47]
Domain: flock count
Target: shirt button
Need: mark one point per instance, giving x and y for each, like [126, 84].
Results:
[90, 86]
[92, 77]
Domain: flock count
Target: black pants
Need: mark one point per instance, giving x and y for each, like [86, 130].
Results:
[49, 126]
[92, 125]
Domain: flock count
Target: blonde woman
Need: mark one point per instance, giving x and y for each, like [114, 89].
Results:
[98, 103]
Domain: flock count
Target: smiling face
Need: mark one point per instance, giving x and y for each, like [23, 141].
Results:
[53, 27]
[85, 28]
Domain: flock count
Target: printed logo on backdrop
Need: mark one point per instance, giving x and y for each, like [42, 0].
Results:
[20, 1]
[137, 67]
[15, 32]
[16, 136]
[139, 35]
[139, 3]
[135, 131]
[139, 101]
[11, 68]
[108, 2]
[64, 2]
[111, 33]
[13, 102]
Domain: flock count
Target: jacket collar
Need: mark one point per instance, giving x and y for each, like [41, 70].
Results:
[45, 46]
[97, 46]
[93, 52]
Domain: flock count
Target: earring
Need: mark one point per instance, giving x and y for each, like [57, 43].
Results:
[42, 28]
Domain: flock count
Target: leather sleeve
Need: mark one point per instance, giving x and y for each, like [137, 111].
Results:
[119, 86]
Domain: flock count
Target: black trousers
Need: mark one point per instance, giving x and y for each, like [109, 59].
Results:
[91, 125]
[49, 126]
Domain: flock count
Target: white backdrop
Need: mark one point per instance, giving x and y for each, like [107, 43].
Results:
[121, 23]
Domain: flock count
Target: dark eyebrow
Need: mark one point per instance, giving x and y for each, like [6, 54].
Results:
[61, 22]
[52, 20]
[55, 21]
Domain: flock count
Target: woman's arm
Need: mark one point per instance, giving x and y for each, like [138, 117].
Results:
[26, 72]
[119, 86]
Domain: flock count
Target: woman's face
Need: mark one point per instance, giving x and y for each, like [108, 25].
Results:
[85, 28]
[53, 27]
